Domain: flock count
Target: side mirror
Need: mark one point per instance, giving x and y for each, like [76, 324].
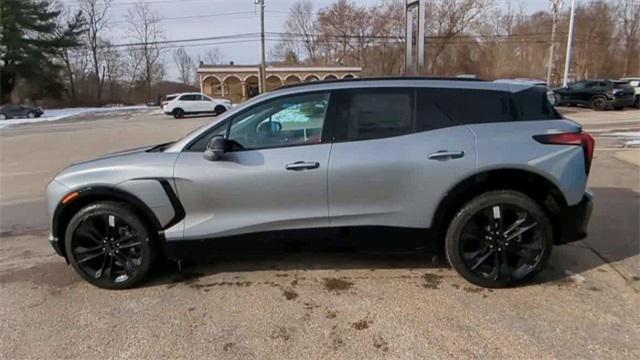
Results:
[216, 147]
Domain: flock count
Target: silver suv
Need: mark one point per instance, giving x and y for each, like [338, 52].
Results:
[489, 170]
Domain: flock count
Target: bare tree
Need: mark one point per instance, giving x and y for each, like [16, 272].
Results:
[114, 69]
[628, 15]
[213, 56]
[449, 18]
[96, 14]
[185, 65]
[144, 27]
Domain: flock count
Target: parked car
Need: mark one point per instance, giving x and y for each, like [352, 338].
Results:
[635, 84]
[598, 94]
[180, 105]
[10, 111]
[404, 154]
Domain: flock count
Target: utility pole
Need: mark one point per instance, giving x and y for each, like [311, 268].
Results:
[263, 63]
[556, 6]
[567, 65]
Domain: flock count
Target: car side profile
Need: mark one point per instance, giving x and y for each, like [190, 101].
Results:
[598, 94]
[491, 171]
[10, 111]
[179, 105]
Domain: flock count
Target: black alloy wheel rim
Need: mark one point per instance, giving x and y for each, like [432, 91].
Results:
[501, 242]
[107, 248]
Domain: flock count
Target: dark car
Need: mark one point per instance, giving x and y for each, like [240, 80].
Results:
[20, 111]
[598, 94]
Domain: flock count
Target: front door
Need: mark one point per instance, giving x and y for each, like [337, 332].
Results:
[274, 177]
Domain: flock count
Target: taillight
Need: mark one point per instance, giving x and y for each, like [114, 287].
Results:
[581, 139]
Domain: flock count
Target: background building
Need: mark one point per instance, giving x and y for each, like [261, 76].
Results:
[240, 82]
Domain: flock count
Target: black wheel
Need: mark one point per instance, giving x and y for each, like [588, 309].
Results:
[499, 239]
[219, 110]
[31, 115]
[178, 113]
[109, 246]
[599, 104]
[636, 104]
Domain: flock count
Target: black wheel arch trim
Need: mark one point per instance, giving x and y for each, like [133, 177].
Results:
[61, 215]
[477, 183]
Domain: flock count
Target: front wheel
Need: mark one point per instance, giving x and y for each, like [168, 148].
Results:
[178, 113]
[499, 239]
[109, 246]
[31, 115]
[599, 104]
[219, 110]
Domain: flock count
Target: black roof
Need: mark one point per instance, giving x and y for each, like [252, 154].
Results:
[379, 79]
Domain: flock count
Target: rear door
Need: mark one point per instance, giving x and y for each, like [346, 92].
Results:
[395, 155]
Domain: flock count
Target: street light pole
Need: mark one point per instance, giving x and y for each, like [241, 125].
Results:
[263, 63]
[567, 64]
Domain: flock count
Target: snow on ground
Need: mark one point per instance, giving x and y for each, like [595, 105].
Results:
[59, 114]
[630, 138]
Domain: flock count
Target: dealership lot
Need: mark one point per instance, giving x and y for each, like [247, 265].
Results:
[292, 303]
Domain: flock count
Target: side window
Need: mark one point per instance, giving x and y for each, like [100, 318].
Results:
[187, 98]
[579, 85]
[429, 114]
[533, 104]
[375, 113]
[292, 120]
[467, 106]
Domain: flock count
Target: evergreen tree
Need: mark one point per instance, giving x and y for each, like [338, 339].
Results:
[30, 39]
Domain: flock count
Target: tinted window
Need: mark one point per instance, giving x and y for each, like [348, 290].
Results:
[533, 104]
[293, 120]
[370, 114]
[429, 114]
[468, 106]
[187, 98]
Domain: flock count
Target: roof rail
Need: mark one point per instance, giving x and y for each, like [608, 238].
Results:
[379, 78]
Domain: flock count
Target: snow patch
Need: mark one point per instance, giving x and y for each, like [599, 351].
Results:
[59, 114]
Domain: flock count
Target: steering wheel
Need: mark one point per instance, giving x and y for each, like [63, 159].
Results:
[269, 128]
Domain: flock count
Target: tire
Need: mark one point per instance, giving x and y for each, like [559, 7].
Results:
[178, 113]
[636, 104]
[3, 117]
[599, 104]
[618, 108]
[478, 244]
[31, 115]
[127, 252]
[219, 110]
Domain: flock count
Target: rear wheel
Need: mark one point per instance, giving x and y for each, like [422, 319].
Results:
[599, 104]
[178, 113]
[499, 239]
[219, 110]
[109, 246]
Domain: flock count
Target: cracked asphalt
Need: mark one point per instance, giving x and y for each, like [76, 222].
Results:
[311, 300]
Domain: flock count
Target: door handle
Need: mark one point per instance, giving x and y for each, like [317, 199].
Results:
[444, 155]
[302, 165]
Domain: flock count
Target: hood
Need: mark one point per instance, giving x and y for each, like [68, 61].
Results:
[116, 154]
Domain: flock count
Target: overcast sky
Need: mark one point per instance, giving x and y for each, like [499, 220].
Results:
[208, 18]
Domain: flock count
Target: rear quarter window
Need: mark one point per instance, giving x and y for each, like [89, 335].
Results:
[533, 104]
[469, 106]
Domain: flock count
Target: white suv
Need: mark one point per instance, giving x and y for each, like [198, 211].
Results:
[180, 105]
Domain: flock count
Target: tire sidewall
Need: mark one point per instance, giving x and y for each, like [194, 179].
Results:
[125, 212]
[599, 104]
[452, 244]
[178, 113]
